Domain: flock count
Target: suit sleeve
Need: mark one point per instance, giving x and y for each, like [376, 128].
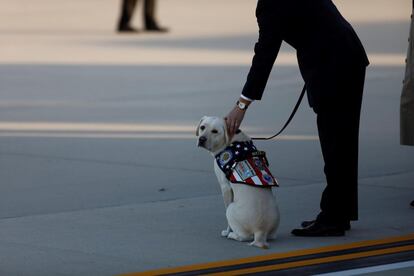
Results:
[265, 52]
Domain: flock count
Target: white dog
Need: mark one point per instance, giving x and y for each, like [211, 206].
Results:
[252, 212]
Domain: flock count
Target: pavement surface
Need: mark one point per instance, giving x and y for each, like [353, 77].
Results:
[99, 169]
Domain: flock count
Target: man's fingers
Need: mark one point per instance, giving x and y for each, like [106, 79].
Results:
[230, 126]
[234, 127]
[233, 120]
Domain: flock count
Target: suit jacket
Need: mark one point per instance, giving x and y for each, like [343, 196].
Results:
[327, 46]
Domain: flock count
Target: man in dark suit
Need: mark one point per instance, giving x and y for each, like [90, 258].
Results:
[332, 62]
[127, 11]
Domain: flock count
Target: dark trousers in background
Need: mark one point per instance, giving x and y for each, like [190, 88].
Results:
[127, 11]
[338, 128]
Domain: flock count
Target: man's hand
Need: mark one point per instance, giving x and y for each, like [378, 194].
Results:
[233, 120]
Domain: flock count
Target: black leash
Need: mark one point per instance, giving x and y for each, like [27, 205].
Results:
[290, 117]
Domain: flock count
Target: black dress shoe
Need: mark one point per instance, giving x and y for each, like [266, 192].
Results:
[307, 223]
[320, 229]
[412, 203]
[127, 29]
[152, 26]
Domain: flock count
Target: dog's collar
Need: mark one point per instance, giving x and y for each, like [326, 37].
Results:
[241, 162]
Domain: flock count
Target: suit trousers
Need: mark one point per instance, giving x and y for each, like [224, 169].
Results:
[127, 11]
[338, 129]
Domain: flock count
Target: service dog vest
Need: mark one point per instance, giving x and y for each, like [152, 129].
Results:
[242, 163]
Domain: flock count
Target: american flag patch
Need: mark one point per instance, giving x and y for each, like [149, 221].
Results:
[252, 171]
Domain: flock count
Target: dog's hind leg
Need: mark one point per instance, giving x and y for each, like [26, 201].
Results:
[260, 240]
[234, 236]
[238, 232]
[273, 234]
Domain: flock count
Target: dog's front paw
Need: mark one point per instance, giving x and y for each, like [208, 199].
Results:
[226, 232]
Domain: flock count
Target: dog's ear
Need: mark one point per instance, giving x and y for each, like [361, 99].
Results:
[198, 126]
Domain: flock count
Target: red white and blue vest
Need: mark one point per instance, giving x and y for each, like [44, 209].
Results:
[242, 163]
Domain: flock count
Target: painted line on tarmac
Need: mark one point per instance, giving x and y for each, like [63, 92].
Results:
[310, 261]
[371, 269]
[93, 127]
[143, 56]
[155, 136]
[102, 130]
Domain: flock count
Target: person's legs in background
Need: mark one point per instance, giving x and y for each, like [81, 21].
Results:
[127, 11]
[150, 22]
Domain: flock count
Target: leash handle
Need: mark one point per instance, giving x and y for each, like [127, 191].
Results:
[290, 117]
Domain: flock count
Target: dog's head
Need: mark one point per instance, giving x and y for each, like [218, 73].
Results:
[212, 134]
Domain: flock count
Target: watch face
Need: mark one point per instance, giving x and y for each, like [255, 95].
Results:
[241, 105]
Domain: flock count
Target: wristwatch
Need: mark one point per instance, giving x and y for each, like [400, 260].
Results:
[241, 105]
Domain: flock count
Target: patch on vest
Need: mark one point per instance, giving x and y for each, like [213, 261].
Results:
[225, 157]
[243, 163]
[252, 171]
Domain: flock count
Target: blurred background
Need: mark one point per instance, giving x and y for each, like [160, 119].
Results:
[73, 56]
[47, 31]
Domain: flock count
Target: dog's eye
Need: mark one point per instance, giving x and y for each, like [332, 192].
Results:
[202, 127]
[214, 131]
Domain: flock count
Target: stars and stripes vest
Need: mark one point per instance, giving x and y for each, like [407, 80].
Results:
[242, 163]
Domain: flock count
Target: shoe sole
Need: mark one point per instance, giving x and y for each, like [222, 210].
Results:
[339, 234]
[305, 224]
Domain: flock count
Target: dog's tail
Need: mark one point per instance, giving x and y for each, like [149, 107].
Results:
[260, 240]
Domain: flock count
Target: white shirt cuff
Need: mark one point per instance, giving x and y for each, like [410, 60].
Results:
[246, 98]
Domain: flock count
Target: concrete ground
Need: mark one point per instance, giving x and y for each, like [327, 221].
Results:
[98, 164]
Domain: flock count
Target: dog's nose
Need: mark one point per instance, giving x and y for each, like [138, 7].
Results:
[202, 140]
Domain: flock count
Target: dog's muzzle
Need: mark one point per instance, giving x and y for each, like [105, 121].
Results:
[202, 141]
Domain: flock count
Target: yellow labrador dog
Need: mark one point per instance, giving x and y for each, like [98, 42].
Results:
[251, 209]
